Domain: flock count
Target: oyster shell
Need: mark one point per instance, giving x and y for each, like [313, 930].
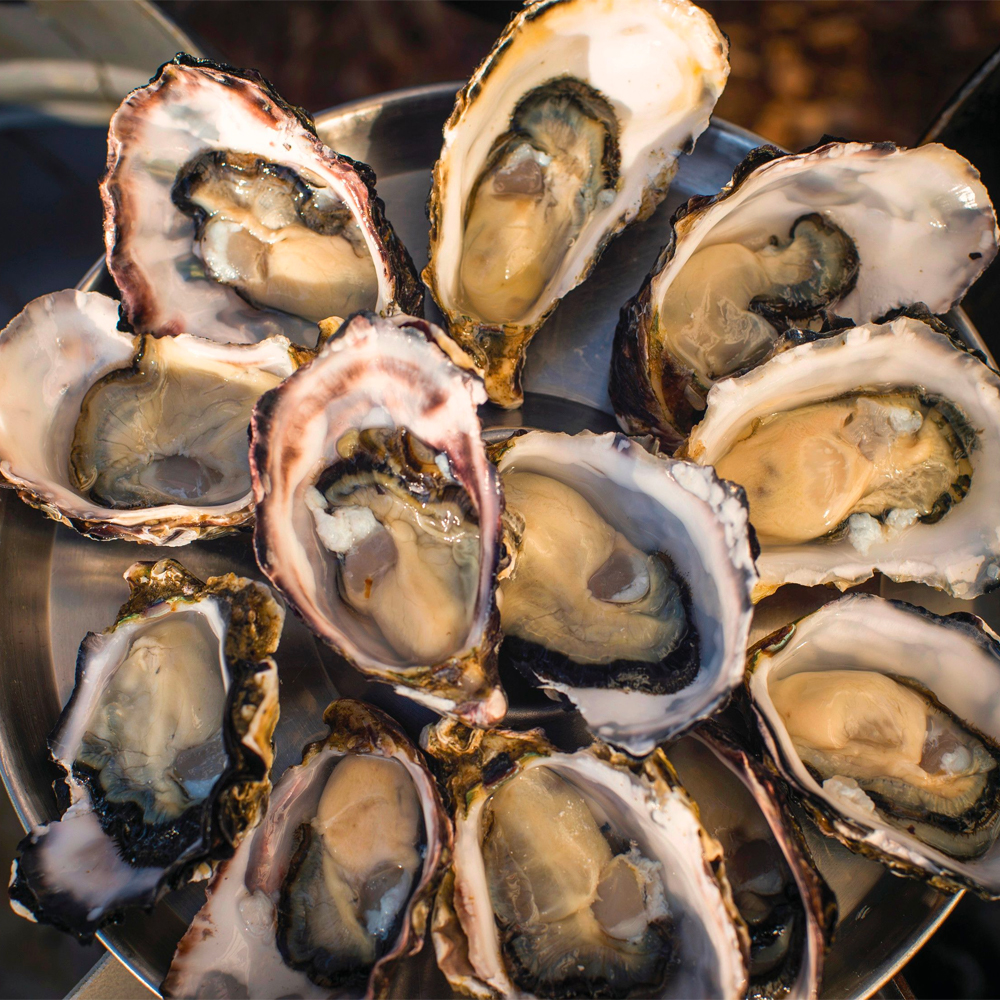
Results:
[789, 909]
[873, 449]
[629, 581]
[335, 884]
[226, 217]
[164, 749]
[566, 133]
[883, 718]
[129, 437]
[378, 512]
[836, 236]
[578, 874]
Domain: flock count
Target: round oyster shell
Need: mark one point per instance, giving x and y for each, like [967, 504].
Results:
[231, 946]
[653, 824]
[379, 391]
[193, 120]
[847, 233]
[957, 547]
[156, 781]
[64, 352]
[662, 508]
[955, 659]
[745, 808]
[629, 86]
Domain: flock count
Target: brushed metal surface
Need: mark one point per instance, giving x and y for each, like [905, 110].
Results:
[57, 585]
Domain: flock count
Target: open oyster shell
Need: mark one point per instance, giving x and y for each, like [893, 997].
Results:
[917, 387]
[129, 437]
[836, 236]
[566, 133]
[548, 846]
[247, 938]
[789, 909]
[226, 217]
[629, 581]
[378, 512]
[164, 749]
[912, 699]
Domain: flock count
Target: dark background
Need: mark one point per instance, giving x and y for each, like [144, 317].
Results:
[861, 70]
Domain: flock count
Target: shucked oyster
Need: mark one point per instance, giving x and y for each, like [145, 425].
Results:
[579, 874]
[164, 748]
[885, 719]
[568, 132]
[226, 217]
[129, 437]
[335, 884]
[838, 236]
[378, 513]
[628, 585]
[874, 449]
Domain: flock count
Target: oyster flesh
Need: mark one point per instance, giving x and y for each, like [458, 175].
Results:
[164, 749]
[226, 217]
[335, 884]
[836, 236]
[628, 582]
[129, 437]
[884, 718]
[873, 449]
[378, 512]
[568, 132]
[582, 874]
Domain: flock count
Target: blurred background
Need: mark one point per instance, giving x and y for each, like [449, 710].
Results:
[800, 70]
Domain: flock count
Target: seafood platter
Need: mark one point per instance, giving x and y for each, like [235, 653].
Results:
[592, 613]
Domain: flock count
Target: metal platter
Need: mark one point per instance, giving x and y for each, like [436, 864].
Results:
[57, 586]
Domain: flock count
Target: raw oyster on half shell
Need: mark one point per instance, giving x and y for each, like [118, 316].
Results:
[568, 132]
[164, 749]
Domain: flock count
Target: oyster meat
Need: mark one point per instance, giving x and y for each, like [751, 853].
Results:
[835, 236]
[578, 875]
[334, 886]
[164, 749]
[226, 217]
[568, 132]
[883, 717]
[130, 437]
[378, 513]
[873, 449]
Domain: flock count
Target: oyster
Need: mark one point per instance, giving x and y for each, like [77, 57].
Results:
[874, 449]
[567, 132]
[883, 717]
[832, 237]
[335, 884]
[129, 437]
[628, 583]
[226, 217]
[581, 874]
[164, 749]
[788, 908]
[378, 513]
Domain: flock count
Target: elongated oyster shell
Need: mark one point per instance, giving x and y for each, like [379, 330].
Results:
[566, 133]
[164, 748]
[836, 236]
[628, 589]
[905, 765]
[378, 512]
[226, 217]
[129, 437]
[578, 874]
[263, 932]
[906, 424]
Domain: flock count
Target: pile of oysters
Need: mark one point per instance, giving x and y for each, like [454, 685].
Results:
[787, 349]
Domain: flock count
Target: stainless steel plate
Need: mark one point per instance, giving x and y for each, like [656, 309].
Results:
[57, 586]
